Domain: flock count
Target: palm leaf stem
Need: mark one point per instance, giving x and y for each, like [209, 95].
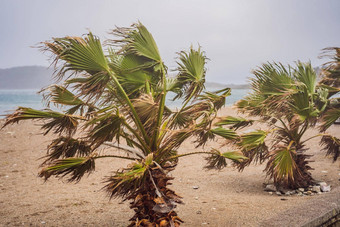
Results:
[125, 148]
[134, 113]
[190, 153]
[183, 106]
[142, 144]
[160, 112]
[114, 156]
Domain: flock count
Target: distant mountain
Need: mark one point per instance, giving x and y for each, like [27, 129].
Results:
[232, 86]
[25, 77]
[37, 77]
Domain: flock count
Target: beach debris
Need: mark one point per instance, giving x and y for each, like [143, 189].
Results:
[195, 187]
[284, 199]
[270, 188]
[322, 183]
[196, 198]
[325, 188]
[324, 171]
[316, 188]
[301, 189]
[43, 222]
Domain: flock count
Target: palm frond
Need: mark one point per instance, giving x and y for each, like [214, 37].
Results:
[329, 118]
[252, 139]
[75, 167]
[228, 134]
[191, 73]
[217, 98]
[65, 147]
[331, 146]
[281, 165]
[59, 122]
[79, 54]
[217, 159]
[127, 181]
[234, 122]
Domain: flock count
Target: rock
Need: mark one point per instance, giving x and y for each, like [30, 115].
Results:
[324, 171]
[300, 193]
[278, 193]
[195, 187]
[316, 189]
[301, 189]
[308, 193]
[322, 183]
[270, 188]
[326, 188]
[270, 193]
[287, 193]
[198, 212]
[284, 199]
[196, 198]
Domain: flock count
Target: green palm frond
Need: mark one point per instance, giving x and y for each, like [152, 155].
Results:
[191, 73]
[281, 165]
[59, 122]
[217, 98]
[65, 147]
[106, 127]
[75, 167]
[329, 117]
[126, 182]
[305, 74]
[217, 159]
[252, 139]
[228, 134]
[331, 146]
[79, 54]
[234, 122]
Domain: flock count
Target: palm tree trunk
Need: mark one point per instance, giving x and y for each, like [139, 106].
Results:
[154, 204]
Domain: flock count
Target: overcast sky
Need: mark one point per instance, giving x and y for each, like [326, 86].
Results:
[236, 35]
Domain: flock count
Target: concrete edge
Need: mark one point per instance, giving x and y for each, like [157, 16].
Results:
[326, 219]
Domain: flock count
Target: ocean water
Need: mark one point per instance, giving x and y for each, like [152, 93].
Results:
[11, 99]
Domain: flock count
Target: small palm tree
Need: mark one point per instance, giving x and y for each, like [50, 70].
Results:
[117, 98]
[290, 101]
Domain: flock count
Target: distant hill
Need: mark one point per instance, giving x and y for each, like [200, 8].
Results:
[25, 77]
[233, 86]
[37, 77]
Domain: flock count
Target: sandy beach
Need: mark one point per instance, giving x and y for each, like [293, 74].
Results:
[223, 198]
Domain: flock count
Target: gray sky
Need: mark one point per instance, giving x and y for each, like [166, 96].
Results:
[236, 35]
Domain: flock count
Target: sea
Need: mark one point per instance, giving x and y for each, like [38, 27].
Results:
[12, 99]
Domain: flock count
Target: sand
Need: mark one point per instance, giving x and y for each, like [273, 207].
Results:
[223, 198]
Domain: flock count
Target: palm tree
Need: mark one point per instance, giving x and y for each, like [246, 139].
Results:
[290, 101]
[116, 97]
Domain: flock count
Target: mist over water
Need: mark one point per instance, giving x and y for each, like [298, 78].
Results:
[12, 99]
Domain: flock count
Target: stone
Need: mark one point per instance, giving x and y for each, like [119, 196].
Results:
[195, 187]
[308, 193]
[278, 193]
[326, 188]
[301, 189]
[270, 188]
[270, 193]
[287, 193]
[322, 183]
[300, 193]
[316, 189]
[198, 212]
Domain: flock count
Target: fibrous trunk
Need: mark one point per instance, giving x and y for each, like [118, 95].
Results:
[154, 204]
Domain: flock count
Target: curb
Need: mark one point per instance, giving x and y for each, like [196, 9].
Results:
[330, 218]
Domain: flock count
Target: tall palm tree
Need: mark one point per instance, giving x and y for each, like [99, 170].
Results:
[290, 101]
[116, 97]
